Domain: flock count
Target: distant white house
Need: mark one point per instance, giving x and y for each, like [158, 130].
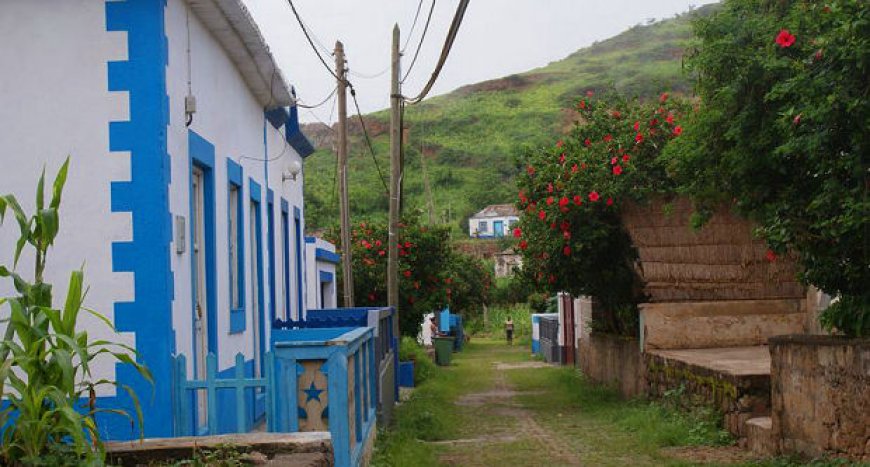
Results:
[184, 195]
[495, 220]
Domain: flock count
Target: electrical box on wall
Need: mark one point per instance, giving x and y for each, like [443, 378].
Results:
[180, 235]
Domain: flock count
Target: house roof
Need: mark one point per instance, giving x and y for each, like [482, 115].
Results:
[498, 210]
[232, 25]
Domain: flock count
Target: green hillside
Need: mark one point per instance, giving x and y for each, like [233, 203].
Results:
[470, 138]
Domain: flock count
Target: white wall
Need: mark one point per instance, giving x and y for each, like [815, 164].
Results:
[55, 103]
[229, 117]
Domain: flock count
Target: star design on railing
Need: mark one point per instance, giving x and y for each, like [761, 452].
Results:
[312, 393]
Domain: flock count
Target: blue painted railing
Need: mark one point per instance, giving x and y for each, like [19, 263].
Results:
[386, 344]
[326, 380]
[186, 394]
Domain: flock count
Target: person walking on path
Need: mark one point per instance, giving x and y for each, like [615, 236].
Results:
[509, 330]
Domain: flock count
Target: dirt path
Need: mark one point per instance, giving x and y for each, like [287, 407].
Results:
[514, 411]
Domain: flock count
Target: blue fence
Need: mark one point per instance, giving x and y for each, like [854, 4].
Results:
[326, 380]
[386, 344]
[196, 402]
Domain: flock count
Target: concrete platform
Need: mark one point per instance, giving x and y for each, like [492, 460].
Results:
[733, 361]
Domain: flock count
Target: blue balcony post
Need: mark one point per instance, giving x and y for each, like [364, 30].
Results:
[211, 393]
[241, 413]
[271, 405]
[338, 407]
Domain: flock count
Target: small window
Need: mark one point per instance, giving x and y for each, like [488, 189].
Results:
[512, 223]
[235, 207]
[482, 226]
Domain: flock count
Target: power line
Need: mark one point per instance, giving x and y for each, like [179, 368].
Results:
[413, 25]
[445, 51]
[420, 45]
[310, 42]
[314, 106]
[368, 140]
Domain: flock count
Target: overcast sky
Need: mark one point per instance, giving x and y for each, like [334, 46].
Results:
[497, 38]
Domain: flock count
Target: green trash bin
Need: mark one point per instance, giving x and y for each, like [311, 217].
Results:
[443, 349]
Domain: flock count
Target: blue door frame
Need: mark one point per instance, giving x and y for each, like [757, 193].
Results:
[256, 203]
[498, 228]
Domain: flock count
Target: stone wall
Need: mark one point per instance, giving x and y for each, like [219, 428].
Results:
[820, 393]
[613, 361]
[738, 397]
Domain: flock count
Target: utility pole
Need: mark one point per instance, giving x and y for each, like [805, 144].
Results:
[395, 177]
[344, 208]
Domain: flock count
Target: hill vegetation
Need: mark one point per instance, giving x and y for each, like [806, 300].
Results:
[461, 148]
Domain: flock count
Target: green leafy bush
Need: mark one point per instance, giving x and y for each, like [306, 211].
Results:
[782, 132]
[431, 273]
[45, 361]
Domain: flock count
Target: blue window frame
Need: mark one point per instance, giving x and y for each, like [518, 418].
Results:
[297, 233]
[257, 275]
[236, 246]
[270, 248]
[285, 230]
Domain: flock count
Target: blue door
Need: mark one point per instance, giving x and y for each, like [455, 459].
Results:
[498, 228]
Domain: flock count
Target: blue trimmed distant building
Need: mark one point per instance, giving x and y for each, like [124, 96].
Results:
[185, 193]
[493, 221]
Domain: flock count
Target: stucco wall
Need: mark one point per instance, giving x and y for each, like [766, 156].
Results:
[56, 103]
[820, 396]
[313, 268]
[614, 361]
[230, 117]
[697, 325]
[473, 223]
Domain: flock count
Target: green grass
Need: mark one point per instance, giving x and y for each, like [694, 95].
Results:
[473, 136]
[590, 421]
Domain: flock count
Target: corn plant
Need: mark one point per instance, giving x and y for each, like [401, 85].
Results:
[45, 361]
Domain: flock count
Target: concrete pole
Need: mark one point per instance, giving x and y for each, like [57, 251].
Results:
[344, 207]
[395, 177]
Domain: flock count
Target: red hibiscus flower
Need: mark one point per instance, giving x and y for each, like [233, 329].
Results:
[614, 160]
[407, 273]
[636, 126]
[553, 225]
[566, 235]
[617, 169]
[564, 201]
[663, 98]
[562, 158]
[626, 158]
[608, 138]
[377, 243]
[381, 253]
[770, 256]
[678, 130]
[574, 169]
[785, 39]
[564, 226]
[616, 114]
[530, 170]
[518, 232]
[610, 201]
[578, 200]
[549, 200]
[582, 165]
[670, 119]
[560, 143]
[639, 138]
[524, 245]
[542, 215]
[588, 142]
[797, 120]
[654, 122]
[582, 104]
[593, 196]
[549, 188]
[566, 251]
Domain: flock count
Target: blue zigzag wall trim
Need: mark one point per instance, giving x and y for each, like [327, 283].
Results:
[146, 197]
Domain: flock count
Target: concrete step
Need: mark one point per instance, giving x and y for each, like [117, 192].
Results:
[759, 436]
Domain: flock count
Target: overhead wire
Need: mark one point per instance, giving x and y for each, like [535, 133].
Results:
[413, 26]
[314, 106]
[368, 140]
[419, 45]
[445, 52]
[311, 42]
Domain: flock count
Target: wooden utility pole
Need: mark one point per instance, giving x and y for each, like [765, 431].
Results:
[395, 177]
[344, 208]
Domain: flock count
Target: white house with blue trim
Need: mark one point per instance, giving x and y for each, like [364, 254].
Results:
[495, 220]
[184, 197]
[322, 263]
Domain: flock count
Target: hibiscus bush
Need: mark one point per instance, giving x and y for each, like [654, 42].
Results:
[782, 130]
[431, 273]
[570, 231]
